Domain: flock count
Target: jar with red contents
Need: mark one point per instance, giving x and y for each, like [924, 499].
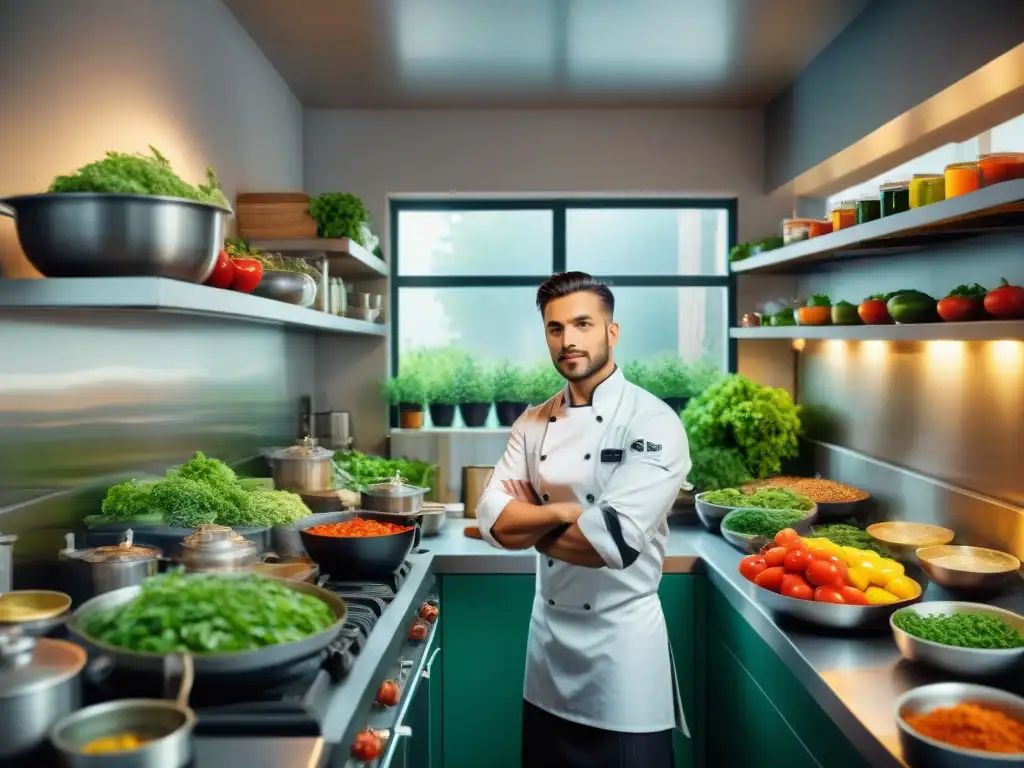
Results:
[1000, 166]
[818, 228]
[843, 215]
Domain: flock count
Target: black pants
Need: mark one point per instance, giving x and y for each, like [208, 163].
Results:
[551, 742]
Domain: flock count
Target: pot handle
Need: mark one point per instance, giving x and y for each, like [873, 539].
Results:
[179, 665]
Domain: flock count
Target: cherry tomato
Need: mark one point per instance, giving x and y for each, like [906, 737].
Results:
[787, 537]
[367, 746]
[824, 573]
[751, 565]
[853, 596]
[389, 693]
[775, 556]
[826, 594]
[223, 272]
[770, 578]
[794, 585]
[796, 560]
[827, 558]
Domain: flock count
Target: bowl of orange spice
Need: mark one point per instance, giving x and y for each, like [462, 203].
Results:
[960, 725]
[358, 545]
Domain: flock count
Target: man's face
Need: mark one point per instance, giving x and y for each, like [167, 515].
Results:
[580, 334]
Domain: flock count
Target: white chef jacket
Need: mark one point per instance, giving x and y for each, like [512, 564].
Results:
[598, 651]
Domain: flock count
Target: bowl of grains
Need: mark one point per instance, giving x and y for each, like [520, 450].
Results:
[836, 501]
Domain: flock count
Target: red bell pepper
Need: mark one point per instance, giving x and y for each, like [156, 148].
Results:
[223, 272]
[248, 273]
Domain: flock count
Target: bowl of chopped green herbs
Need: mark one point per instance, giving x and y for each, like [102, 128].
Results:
[966, 639]
[749, 529]
[713, 506]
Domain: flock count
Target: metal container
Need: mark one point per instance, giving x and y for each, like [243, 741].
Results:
[920, 751]
[104, 569]
[432, 518]
[474, 481]
[394, 497]
[357, 558]
[333, 429]
[750, 544]
[973, 569]
[7, 562]
[904, 538]
[287, 286]
[965, 662]
[302, 468]
[112, 235]
[217, 548]
[39, 684]
[829, 614]
[710, 514]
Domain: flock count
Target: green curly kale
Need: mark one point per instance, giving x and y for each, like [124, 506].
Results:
[138, 174]
[211, 472]
[126, 501]
[962, 630]
[713, 468]
[187, 503]
[278, 507]
[765, 498]
[339, 214]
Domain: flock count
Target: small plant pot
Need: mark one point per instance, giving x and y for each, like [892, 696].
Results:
[677, 404]
[410, 415]
[442, 414]
[474, 414]
[508, 412]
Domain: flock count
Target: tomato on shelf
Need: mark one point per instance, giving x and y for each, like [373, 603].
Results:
[1005, 302]
[419, 630]
[873, 311]
[248, 273]
[818, 311]
[963, 303]
[223, 272]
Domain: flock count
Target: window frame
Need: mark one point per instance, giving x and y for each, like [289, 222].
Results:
[558, 208]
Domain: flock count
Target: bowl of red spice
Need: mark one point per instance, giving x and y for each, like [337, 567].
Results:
[960, 725]
[358, 545]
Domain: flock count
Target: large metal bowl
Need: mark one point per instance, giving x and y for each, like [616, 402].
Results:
[920, 751]
[950, 566]
[750, 544]
[829, 614]
[289, 287]
[966, 662]
[107, 235]
[710, 514]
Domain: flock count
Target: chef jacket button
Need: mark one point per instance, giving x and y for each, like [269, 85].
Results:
[544, 497]
[586, 606]
[600, 419]
[551, 602]
[543, 456]
[552, 419]
[590, 498]
[587, 457]
[550, 563]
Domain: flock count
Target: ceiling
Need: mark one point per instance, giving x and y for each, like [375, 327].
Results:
[383, 54]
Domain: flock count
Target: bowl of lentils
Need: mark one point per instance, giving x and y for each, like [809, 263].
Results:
[836, 501]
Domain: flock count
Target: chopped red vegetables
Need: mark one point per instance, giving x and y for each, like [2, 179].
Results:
[358, 527]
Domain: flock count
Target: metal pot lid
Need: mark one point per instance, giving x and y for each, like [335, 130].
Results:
[395, 488]
[125, 552]
[29, 664]
[216, 538]
[304, 450]
[7, 538]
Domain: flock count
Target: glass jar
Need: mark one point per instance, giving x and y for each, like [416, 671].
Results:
[927, 188]
[843, 215]
[961, 178]
[795, 230]
[868, 209]
[895, 197]
[819, 228]
[1000, 166]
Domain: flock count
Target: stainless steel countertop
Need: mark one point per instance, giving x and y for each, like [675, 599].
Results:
[855, 679]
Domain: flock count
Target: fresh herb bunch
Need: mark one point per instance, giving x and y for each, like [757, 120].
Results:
[962, 630]
[819, 300]
[712, 468]
[407, 388]
[849, 534]
[473, 383]
[339, 214]
[358, 470]
[765, 498]
[209, 613]
[973, 291]
[511, 383]
[760, 522]
[761, 423]
[138, 174]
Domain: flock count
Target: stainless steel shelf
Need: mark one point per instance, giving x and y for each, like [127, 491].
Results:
[982, 330]
[165, 295]
[1000, 206]
[346, 257]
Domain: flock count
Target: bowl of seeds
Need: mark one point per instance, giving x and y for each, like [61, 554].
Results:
[836, 501]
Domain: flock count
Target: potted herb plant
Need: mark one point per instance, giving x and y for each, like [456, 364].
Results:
[442, 397]
[474, 390]
[541, 381]
[408, 392]
[510, 392]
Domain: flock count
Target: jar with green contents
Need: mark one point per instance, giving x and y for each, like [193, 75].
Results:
[895, 197]
[927, 188]
[869, 209]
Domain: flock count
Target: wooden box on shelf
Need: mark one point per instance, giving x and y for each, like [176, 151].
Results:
[271, 215]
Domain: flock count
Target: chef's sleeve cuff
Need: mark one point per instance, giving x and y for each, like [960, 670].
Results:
[602, 527]
[488, 510]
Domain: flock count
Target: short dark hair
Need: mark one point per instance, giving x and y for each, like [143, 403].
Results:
[563, 283]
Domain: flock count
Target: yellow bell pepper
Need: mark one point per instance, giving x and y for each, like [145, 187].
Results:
[879, 596]
[894, 565]
[860, 576]
[904, 587]
[852, 556]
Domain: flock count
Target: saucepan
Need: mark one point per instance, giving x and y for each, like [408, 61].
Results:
[359, 557]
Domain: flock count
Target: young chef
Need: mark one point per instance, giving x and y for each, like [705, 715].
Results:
[588, 479]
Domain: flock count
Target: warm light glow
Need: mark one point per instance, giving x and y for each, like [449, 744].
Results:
[799, 344]
[874, 351]
[1008, 356]
[945, 353]
[835, 349]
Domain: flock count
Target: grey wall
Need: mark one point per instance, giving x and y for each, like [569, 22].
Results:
[895, 55]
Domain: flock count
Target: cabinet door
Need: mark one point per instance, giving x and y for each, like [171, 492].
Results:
[682, 601]
[486, 622]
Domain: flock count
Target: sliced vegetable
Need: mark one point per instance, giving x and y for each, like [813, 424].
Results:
[1005, 302]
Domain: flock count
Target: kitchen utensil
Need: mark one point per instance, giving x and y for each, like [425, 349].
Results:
[967, 568]
[395, 497]
[432, 517]
[103, 569]
[113, 235]
[209, 663]
[829, 614]
[903, 539]
[474, 481]
[362, 557]
[39, 684]
[287, 286]
[921, 751]
[7, 562]
[966, 662]
[165, 726]
[302, 468]
[167, 540]
[217, 548]
[333, 429]
[750, 544]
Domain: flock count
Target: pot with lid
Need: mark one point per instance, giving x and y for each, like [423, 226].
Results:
[104, 569]
[302, 468]
[393, 496]
[217, 548]
[39, 684]
[7, 562]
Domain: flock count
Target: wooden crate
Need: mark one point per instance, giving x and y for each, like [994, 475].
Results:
[271, 215]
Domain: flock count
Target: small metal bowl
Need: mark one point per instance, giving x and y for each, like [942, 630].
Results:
[966, 662]
[432, 518]
[920, 751]
[967, 568]
[904, 538]
[290, 287]
[710, 514]
[751, 544]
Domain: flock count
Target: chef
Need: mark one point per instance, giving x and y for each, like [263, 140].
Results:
[587, 480]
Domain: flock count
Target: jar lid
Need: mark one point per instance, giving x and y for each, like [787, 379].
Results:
[926, 176]
[1019, 156]
[305, 449]
[395, 487]
[30, 664]
[891, 186]
[216, 538]
[124, 552]
[969, 165]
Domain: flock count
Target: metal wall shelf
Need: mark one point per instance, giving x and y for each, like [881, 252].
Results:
[981, 330]
[347, 258]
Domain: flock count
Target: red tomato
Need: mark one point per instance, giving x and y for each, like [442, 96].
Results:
[853, 596]
[958, 309]
[367, 746]
[873, 312]
[248, 273]
[223, 272]
[389, 693]
[429, 612]
[824, 556]
[770, 578]
[794, 585]
[796, 560]
[775, 556]
[751, 566]
[826, 594]
[787, 537]
[1005, 302]
[823, 573]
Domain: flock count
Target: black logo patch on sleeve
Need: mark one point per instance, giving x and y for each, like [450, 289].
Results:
[611, 456]
[637, 446]
[653, 447]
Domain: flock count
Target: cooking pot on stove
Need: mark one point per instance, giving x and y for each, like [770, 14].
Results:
[217, 548]
[393, 497]
[103, 569]
[302, 468]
